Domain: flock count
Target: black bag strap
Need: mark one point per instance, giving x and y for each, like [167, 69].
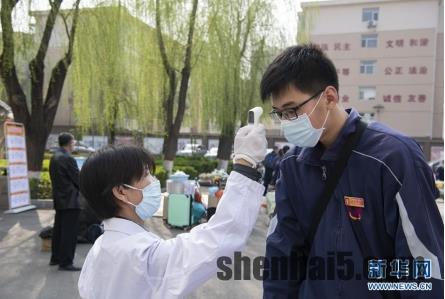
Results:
[302, 252]
[332, 181]
[366, 250]
[331, 184]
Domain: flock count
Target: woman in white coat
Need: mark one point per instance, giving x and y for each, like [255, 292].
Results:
[128, 261]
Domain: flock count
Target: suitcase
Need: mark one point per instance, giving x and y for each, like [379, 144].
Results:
[179, 210]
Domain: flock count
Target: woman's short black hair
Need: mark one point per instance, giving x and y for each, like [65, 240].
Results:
[304, 66]
[65, 138]
[109, 167]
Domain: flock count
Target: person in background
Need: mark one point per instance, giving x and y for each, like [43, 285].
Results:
[269, 166]
[439, 173]
[285, 149]
[64, 175]
[276, 169]
[198, 209]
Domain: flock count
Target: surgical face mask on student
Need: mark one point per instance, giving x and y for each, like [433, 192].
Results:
[300, 131]
[151, 200]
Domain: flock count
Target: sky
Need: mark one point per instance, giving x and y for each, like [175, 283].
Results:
[285, 12]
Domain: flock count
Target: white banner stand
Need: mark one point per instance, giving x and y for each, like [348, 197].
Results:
[18, 184]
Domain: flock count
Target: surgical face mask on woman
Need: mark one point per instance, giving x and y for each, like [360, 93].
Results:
[151, 199]
[300, 131]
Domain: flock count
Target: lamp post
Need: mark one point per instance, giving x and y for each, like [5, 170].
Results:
[377, 110]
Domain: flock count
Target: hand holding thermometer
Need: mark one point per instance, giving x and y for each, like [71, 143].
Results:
[250, 141]
[253, 116]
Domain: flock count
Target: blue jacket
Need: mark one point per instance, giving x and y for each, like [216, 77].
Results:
[388, 173]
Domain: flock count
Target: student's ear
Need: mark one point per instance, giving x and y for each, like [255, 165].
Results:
[331, 95]
[119, 193]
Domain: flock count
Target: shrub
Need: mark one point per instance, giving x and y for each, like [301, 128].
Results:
[45, 165]
[191, 171]
[3, 163]
[41, 188]
[230, 167]
[200, 164]
[161, 174]
[193, 166]
[34, 187]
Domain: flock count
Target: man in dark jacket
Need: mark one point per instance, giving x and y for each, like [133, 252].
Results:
[65, 184]
[383, 205]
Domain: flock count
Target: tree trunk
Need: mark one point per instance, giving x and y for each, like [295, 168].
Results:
[35, 146]
[111, 136]
[112, 125]
[170, 147]
[225, 146]
[170, 144]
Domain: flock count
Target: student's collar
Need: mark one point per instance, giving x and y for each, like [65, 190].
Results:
[123, 226]
[317, 154]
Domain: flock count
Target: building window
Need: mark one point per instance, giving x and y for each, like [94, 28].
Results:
[367, 67]
[370, 14]
[369, 41]
[367, 116]
[367, 93]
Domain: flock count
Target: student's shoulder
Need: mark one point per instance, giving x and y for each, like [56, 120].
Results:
[388, 145]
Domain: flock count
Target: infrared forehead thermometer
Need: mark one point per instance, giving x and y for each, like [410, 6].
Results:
[254, 115]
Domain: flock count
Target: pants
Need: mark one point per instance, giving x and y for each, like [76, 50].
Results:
[64, 239]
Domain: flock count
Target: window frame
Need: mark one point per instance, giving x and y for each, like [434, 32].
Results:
[361, 90]
[366, 38]
[372, 11]
[366, 65]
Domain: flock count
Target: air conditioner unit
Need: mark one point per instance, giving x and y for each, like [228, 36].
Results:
[372, 24]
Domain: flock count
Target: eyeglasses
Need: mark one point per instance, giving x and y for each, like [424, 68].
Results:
[290, 113]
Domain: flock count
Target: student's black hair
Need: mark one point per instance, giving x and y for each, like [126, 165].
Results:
[65, 138]
[109, 167]
[305, 67]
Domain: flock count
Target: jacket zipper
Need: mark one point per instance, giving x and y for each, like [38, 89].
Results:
[324, 175]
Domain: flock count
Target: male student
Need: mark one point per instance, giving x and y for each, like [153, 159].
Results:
[376, 199]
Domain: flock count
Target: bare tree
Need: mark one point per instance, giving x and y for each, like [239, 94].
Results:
[38, 120]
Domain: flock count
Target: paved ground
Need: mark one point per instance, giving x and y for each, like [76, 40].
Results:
[25, 273]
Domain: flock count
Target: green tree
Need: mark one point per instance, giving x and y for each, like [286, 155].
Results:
[306, 20]
[235, 57]
[117, 73]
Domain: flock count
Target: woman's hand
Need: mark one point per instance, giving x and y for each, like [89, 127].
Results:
[250, 145]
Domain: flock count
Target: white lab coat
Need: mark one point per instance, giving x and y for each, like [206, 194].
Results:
[128, 262]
